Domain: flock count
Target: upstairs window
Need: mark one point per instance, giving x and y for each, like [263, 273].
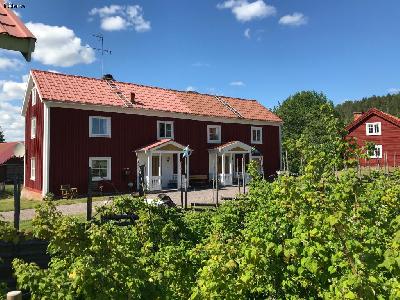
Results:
[33, 96]
[214, 134]
[101, 168]
[256, 135]
[99, 126]
[33, 168]
[377, 152]
[165, 130]
[33, 127]
[373, 128]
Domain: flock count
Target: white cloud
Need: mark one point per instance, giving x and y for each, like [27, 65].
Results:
[237, 83]
[11, 121]
[12, 90]
[394, 90]
[245, 11]
[10, 63]
[190, 88]
[295, 19]
[59, 46]
[118, 17]
[247, 33]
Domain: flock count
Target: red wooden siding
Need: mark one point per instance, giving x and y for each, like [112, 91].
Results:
[389, 139]
[34, 147]
[71, 147]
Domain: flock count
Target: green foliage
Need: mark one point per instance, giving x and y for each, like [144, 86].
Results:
[389, 103]
[7, 232]
[320, 235]
[309, 121]
[2, 139]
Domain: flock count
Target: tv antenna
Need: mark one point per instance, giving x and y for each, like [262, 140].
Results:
[100, 38]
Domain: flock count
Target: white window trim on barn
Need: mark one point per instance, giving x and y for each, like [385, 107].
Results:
[33, 168]
[108, 159]
[159, 137]
[256, 141]
[107, 134]
[33, 127]
[209, 140]
[379, 148]
[33, 96]
[376, 128]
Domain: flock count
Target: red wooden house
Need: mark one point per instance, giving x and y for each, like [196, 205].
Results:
[383, 130]
[74, 122]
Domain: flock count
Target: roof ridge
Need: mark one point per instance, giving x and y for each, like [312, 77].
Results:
[144, 85]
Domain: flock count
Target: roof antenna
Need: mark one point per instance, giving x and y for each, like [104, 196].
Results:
[100, 38]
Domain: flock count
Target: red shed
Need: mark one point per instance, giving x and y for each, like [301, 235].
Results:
[74, 122]
[383, 130]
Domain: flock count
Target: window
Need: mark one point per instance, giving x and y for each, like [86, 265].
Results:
[99, 126]
[373, 128]
[377, 153]
[256, 135]
[33, 128]
[165, 130]
[101, 168]
[214, 134]
[33, 96]
[33, 168]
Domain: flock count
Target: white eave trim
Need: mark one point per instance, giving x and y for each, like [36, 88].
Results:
[29, 86]
[157, 113]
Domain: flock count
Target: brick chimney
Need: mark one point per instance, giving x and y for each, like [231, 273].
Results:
[133, 95]
[356, 115]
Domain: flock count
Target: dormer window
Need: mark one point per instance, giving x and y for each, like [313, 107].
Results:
[33, 96]
[99, 126]
[373, 128]
[165, 130]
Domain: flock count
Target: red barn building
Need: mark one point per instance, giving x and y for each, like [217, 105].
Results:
[383, 130]
[74, 122]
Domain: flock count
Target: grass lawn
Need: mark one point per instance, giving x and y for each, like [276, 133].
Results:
[7, 200]
[26, 225]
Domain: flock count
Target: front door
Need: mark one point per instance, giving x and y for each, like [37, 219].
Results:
[167, 169]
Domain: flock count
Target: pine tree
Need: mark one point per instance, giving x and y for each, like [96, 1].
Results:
[2, 139]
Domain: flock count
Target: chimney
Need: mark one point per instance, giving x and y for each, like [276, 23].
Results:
[356, 115]
[108, 77]
[133, 97]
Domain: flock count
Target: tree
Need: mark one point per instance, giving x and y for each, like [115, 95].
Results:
[306, 115]
[2, 139]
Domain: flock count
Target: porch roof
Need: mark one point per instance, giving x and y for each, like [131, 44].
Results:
[163, 145]
[233, 146]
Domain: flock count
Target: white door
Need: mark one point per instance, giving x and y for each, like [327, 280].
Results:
[167, 169]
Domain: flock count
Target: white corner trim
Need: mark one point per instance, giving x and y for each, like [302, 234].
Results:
[280, 148]
[261, 137]
[219, 134]
[46, 149]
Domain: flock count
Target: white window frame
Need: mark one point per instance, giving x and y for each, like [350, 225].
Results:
[33, 168]
[218, 127]
[33, 127]
[380, 152]
[253, 128]
[108, 120]
[33, 96]
[165, 123]
[379, 132]
[108, 159]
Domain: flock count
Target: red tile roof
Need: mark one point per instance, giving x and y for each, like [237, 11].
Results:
[154, 145]
[84, 90]
[7, 151]
[373, 111]
[10, 24]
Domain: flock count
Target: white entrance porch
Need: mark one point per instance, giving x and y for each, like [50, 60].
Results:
[228, 161]
[162, 165]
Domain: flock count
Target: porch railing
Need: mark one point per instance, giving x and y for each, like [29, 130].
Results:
[226, 179]
[155, 183]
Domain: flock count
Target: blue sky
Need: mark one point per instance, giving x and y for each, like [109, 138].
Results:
[258, 49]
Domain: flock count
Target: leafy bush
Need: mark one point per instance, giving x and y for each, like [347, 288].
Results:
[331, 235]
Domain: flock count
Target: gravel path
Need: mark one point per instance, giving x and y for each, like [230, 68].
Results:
[205, 196]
